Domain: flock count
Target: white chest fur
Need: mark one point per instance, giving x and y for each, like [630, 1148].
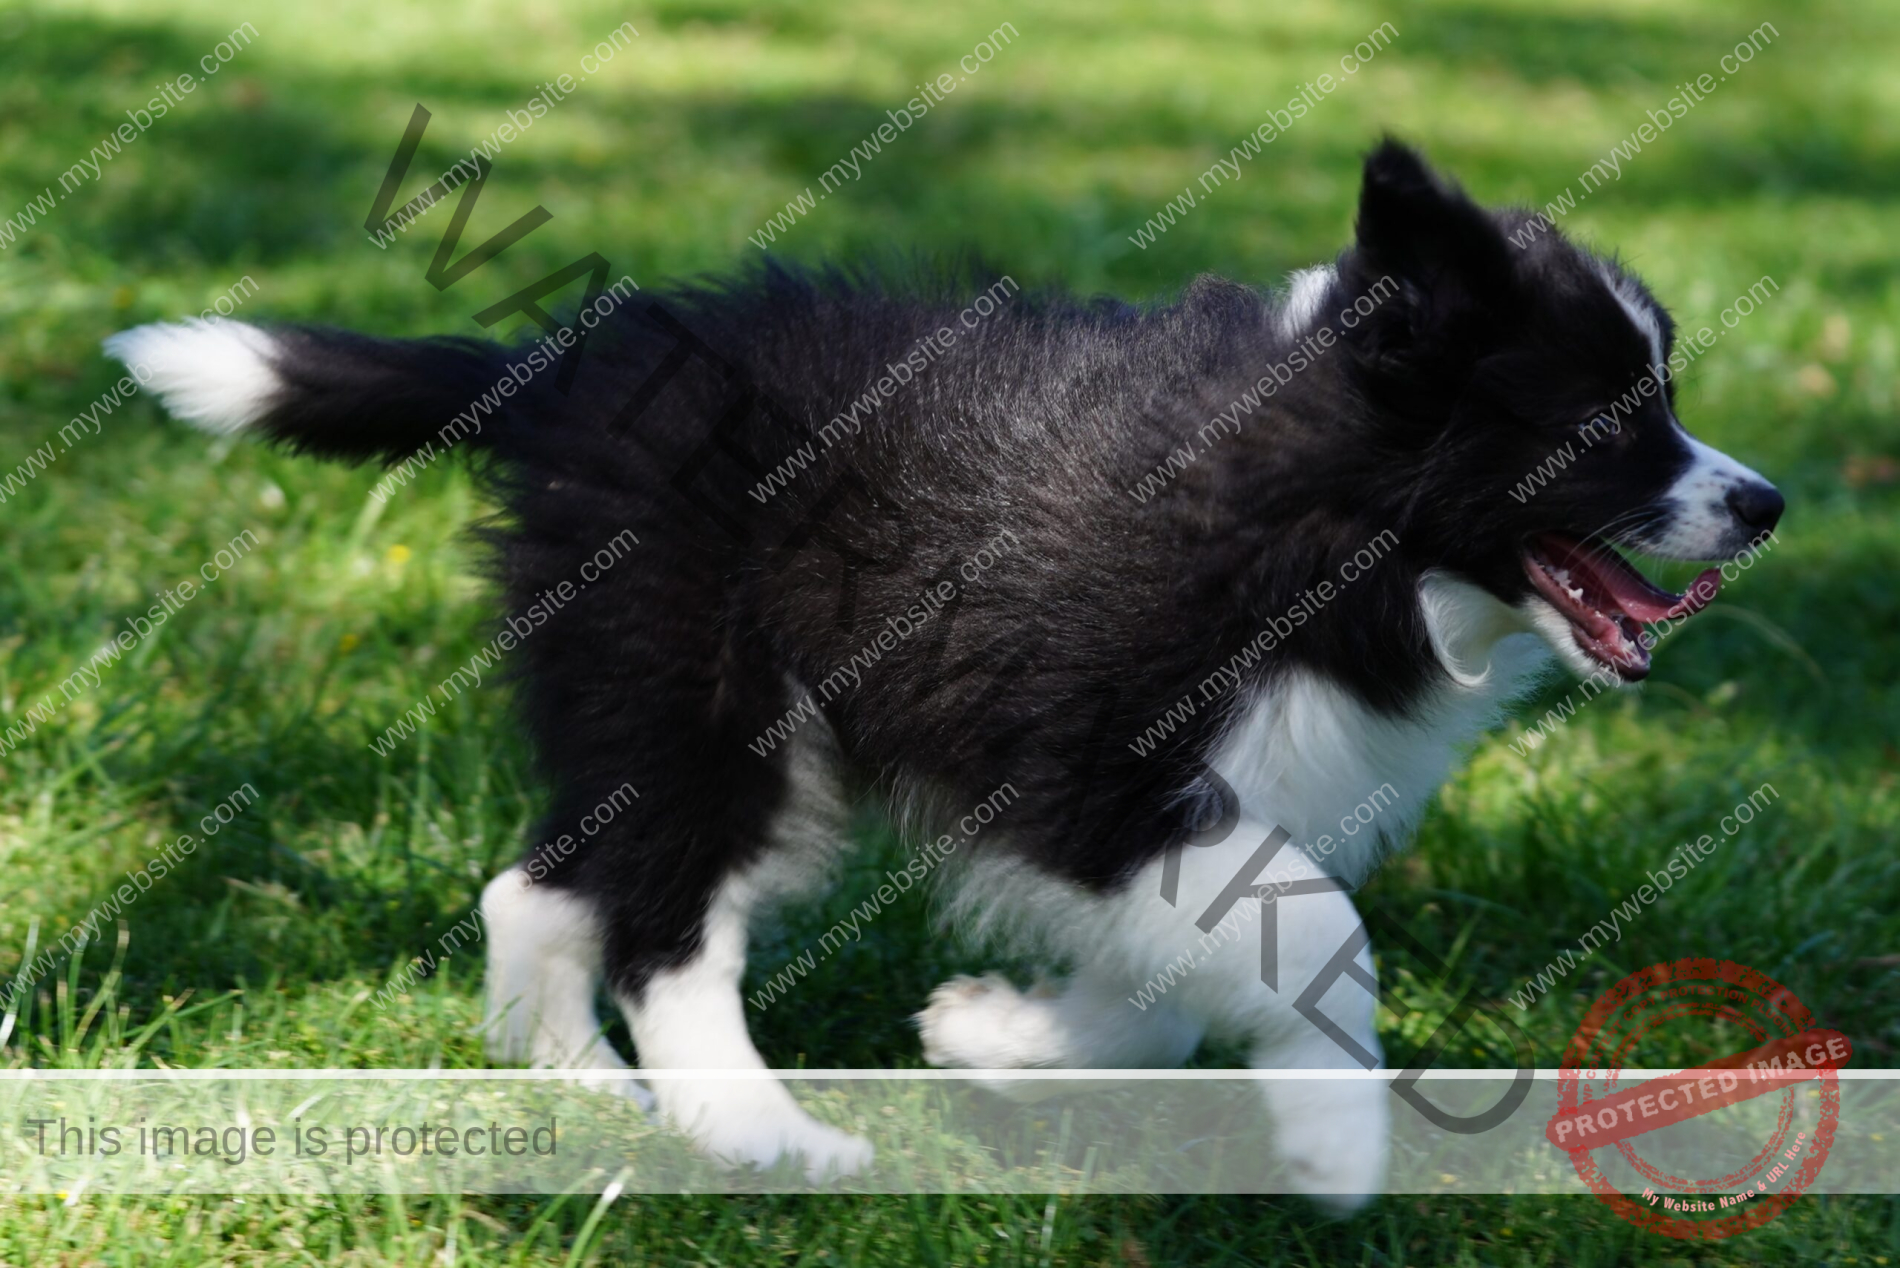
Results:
[1306, 756]
[1350, 783]
[1170, 956]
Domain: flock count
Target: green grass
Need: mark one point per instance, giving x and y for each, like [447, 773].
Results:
[280, 928]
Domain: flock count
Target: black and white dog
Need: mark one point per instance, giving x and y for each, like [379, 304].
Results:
[1105, 570]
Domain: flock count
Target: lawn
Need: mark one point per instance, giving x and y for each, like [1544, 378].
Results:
[337, 612]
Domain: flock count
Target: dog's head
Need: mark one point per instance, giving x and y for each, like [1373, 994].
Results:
[1527, 385]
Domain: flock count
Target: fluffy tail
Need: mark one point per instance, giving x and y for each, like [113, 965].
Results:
[329, 393]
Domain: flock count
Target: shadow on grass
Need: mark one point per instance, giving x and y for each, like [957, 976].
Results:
[275, 161]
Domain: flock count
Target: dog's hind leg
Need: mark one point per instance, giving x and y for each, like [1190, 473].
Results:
[691, 1016]
[675, 961]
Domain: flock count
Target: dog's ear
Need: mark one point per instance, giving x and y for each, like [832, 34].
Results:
[1447, 256]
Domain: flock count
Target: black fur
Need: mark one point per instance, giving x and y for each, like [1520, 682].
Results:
[1104, 611]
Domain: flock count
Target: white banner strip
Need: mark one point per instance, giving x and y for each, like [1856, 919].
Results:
[933, 1131]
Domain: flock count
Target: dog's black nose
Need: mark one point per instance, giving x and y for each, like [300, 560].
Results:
[1757, 505]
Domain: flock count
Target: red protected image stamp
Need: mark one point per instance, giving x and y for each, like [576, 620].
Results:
[1760, 1042]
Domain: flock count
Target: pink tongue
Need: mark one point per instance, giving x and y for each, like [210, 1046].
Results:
[1605, 572]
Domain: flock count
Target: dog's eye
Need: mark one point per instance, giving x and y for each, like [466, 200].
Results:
[1599, 428]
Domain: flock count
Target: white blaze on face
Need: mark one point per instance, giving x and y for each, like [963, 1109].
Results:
[1699, 517]
[1699, 523]
[1641, 315]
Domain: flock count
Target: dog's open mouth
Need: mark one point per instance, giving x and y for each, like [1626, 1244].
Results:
[1607, 601]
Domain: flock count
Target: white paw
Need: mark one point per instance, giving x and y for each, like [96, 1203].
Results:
[508, 1038]
[756, 1123]
[514, 1045]
[616, 1080]
[1333, 1137]
[613, 1076]
[984, 1023]
[825, 1152]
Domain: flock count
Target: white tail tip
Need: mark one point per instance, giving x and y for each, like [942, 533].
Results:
[215, 375]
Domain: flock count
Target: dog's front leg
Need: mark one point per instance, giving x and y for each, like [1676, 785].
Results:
[1260, 942]
[1332, 1133]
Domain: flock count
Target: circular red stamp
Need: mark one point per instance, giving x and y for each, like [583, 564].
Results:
[1761, 1042]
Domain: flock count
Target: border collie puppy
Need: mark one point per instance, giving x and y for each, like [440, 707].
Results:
[1084, 579]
